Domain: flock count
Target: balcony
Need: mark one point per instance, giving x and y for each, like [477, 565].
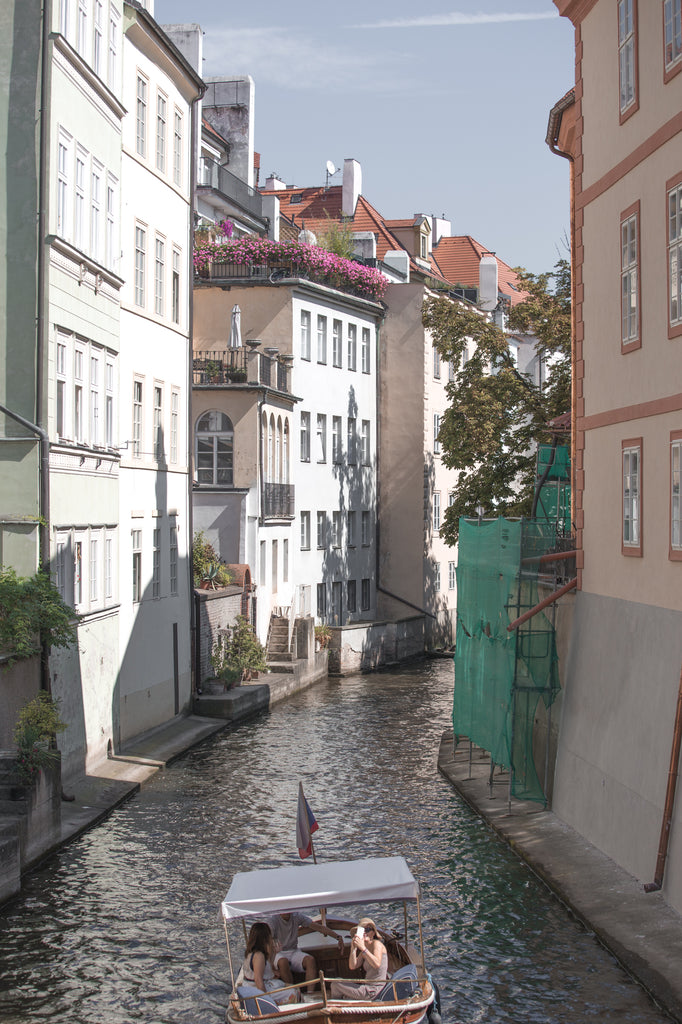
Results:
[278, 501]
[218, 178]
[228, 366]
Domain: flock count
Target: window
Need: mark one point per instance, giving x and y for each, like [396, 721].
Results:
[423, 247]
[82, 29]
[322, 339]
[63, 161]
[112, 64]
[93, 569]
[175, 288]
[112, 232]
[436, 363]
[161, 133]
[632, 496]
[156, 563]
[173, 560]
[321, 529]
[137, 565]
[365, 350]
[78, 359]
[452, 575]
[352, 346]
[336, 529]
[96, 212]
[436, 511]
[351, 596]
[177, 149]
[436, 431]
[365, 443]
[305, 531]
[108, 568]
[365, 596]
[352, 535]
[97, 39]
[321, 437]
[627, 57]
[78, 573]
[174, 420]
[137, 419]
[321, 601]
[109, 405]
[629, 263]
[140, 254]
[674, 188]
[263, 562]
[336, 439]
[285, 561]
[61, 389]
[305, 334]
[158, 423]
[436, 576]
[352, 443]
[64, 17]
[214, 449]
[305, 437]
[365, 529]
[337, 343]
[94, 400]
[159, 273]
[675, 509]
[672, 30]
[141, 118]
[451, 370]
[79, 201]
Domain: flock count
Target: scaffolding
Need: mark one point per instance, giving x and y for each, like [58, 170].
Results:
[502, 675]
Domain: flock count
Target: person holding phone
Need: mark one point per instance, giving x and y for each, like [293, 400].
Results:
[368, 952]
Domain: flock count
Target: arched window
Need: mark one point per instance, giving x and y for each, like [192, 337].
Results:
[271, 451]
[214, 448]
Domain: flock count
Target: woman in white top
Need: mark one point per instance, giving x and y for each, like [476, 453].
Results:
[368, 952]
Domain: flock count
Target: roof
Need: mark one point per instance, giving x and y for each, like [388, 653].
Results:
[335, 883]
[458, 258]
[317, 206]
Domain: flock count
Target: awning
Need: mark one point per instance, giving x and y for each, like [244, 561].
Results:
[338, 883]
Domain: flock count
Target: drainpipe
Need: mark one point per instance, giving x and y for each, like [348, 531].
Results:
[669, 798]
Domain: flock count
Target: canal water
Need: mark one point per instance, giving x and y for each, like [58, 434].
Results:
[123, 925]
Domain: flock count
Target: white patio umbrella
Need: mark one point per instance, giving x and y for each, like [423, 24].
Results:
[236, 328]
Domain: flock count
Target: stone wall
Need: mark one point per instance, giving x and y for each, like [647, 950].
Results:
[215, 610]
[363, 646]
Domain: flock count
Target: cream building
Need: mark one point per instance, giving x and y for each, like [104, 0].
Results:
[622, 129]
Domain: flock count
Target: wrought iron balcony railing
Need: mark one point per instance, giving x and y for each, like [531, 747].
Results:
[278, 501]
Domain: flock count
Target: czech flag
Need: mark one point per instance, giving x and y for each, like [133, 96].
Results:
[305, 826]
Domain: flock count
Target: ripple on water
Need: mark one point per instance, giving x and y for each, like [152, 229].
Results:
[123, 925]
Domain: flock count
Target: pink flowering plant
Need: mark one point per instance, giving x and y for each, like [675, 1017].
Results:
[297, 259]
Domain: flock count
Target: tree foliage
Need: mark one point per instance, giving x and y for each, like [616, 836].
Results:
[497, 414]
[31, 610]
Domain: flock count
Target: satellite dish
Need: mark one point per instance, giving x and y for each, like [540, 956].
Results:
[330, 167]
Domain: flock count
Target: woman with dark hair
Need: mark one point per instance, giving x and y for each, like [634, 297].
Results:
[257, 968]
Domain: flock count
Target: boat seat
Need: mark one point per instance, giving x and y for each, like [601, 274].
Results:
[256, 1006]
[401, 986]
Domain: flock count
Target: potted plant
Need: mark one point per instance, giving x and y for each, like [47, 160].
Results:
[238, 655]
[323, 635]
[34, 734]
[213, 371]
[237, 376]
[208, 570]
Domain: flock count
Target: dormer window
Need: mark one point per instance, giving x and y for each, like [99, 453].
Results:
[297, 198]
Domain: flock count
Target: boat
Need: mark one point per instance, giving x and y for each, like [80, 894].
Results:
[409, 996]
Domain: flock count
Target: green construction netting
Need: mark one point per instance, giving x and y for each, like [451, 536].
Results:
[501, 676]
[554, 502]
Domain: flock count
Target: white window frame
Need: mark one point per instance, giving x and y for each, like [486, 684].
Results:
[366, 348]
[337, 529]
[627, 55]
[366, 443]
[436, 512]
[452, 575]
[141, 102]
[337, 448]
[175, 285]
[632, 496]
[174, 425]
[305, 334]
[159, 275]
[352, 347]
[305, 531]
[305, 437]
[365, 529]
[136, 565]
[672, 32]
[676, 495]
[161, 127]
[321, 438]
[321, 530]
[322, 339]
[629, 274]
[337, 343]
[140, 264]
[177, 147]
[138, 417]
[436, 431]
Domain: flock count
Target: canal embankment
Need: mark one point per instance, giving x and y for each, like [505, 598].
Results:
[637, 927]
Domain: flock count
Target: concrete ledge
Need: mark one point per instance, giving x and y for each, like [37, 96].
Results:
[640, 929]
[250, 698]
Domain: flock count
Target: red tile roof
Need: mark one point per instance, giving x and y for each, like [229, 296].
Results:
[458, 259]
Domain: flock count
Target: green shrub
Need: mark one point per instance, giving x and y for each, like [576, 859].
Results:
[206, 565]
[31, 610]
[37, 726]
[237, 653]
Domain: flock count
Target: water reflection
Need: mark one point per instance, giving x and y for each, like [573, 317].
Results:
[124, 924]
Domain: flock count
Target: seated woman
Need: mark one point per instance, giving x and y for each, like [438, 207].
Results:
[366, 951]
[257, 968]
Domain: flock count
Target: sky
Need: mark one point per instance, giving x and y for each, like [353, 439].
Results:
[445, 111]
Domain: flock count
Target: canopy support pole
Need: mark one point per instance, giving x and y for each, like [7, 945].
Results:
[229, 952]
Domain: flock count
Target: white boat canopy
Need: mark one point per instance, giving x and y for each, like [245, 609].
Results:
[336, 883]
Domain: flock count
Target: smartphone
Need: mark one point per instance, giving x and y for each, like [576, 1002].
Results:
[360, 932]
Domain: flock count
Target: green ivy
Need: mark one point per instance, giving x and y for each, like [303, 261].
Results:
[31, 611]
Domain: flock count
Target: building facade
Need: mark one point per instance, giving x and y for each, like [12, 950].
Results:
[621, 128]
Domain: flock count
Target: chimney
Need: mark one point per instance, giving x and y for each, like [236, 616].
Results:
[352, 186]
[487, 281]
[228, 105]
[274, 184]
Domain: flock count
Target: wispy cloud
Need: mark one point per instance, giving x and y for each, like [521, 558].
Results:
[292, 60]
[457, 19]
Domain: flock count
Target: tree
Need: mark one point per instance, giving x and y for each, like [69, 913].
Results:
[31, 611]
[497, 415]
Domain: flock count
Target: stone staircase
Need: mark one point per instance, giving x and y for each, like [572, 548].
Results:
[279, 657]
